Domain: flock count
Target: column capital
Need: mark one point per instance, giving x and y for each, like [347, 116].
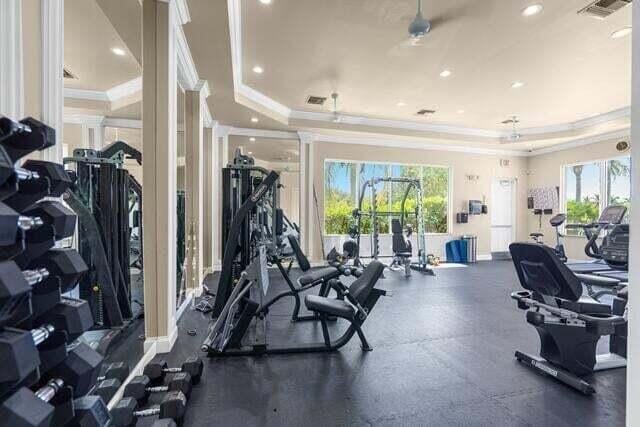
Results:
[307, 137]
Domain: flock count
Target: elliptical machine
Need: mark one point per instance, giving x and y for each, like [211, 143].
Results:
[556, 221]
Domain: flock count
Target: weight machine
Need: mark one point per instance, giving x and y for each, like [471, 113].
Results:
[422, 264]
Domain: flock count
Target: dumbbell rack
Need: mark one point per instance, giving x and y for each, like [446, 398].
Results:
[51, 370]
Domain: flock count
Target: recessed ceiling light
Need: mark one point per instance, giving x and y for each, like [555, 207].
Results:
[534, 9]
[622, 32]
[401, 104]
[118, 51]
[249, 152]
[516, 85]
[265, 1]
[254, 119]
[460, 111]
[258, 69]
[252, 139]
[445, 73]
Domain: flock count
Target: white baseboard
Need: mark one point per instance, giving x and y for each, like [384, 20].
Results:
[485, 257]
[148, 355]
[162, 344]
[187, 301]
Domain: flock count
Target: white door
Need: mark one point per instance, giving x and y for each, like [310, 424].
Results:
[503, 216]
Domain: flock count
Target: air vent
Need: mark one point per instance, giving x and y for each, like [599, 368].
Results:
[425, 112]
[316, 100]
[601, 9]
[67, 74]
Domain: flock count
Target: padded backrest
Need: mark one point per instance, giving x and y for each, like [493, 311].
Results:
[303, 262]
[361, 287]
[541, 271]
[396, 227]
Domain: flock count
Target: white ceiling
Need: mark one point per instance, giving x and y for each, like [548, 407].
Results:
[89, 38]
[571, 67]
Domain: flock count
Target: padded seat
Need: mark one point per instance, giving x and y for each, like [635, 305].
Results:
[330, 306]
[325, 273]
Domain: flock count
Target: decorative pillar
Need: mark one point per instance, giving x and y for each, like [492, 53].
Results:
[209, 196]
[159, 127]
[220, 160]
[307, 212]
[52, 79]
[633, 349]
[194, 162]
[11, 54]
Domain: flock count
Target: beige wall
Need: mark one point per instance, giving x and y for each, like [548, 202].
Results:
[545, 171]
[486, 167]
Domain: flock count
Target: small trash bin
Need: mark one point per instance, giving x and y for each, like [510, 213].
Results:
[472, 247]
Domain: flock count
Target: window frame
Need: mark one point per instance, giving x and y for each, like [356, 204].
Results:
[603, 163]
[388, 165]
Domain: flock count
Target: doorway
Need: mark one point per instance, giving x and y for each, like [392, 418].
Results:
[503, 215]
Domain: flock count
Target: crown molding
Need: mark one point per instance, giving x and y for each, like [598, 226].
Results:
[581, 142]
[86, 94]
[89, 120]
[308, 137]
[262, 133]
[182, 10]
[125, 89]
[114, 122]
[187, 72]
[252, 98]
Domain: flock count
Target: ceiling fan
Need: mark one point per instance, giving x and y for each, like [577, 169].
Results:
[514, 136]
[419, 27]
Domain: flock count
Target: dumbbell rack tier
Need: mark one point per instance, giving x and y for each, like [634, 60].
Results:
[46, 371]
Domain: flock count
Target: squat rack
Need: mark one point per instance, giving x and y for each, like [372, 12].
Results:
[374, 213]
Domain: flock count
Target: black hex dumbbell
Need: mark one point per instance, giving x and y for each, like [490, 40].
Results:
[10, 175]
[110, 382]
[140, 387]
[156, 370]
[69, 314]
[32, 292]
[90, 411]
[49, 405]
[79, 369]
[172, 406]
[50, 180]
[19, 354]
[22, 138]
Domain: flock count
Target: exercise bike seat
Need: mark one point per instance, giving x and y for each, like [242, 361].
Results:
[324, 273]
[330, 306]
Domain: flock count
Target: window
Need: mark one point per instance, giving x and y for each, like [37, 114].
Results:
[590, 187]
[339, 196]
[344, 181]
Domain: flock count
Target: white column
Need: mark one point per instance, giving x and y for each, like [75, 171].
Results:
[307, 214]
[159, 172]
[52, 81]
[96, 137]
[210, 194]
[194, 128]
[11, 54]
[220, 160]
[633, 343]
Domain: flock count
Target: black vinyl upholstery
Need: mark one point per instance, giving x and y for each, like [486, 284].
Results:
[324, 273]
[401, 246]
[541, 271]
[359, 291]
[303, 262]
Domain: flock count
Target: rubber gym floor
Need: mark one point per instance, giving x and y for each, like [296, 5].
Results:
[442, 355]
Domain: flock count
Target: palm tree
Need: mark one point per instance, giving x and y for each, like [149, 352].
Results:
[616, 169]
[577, 171]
